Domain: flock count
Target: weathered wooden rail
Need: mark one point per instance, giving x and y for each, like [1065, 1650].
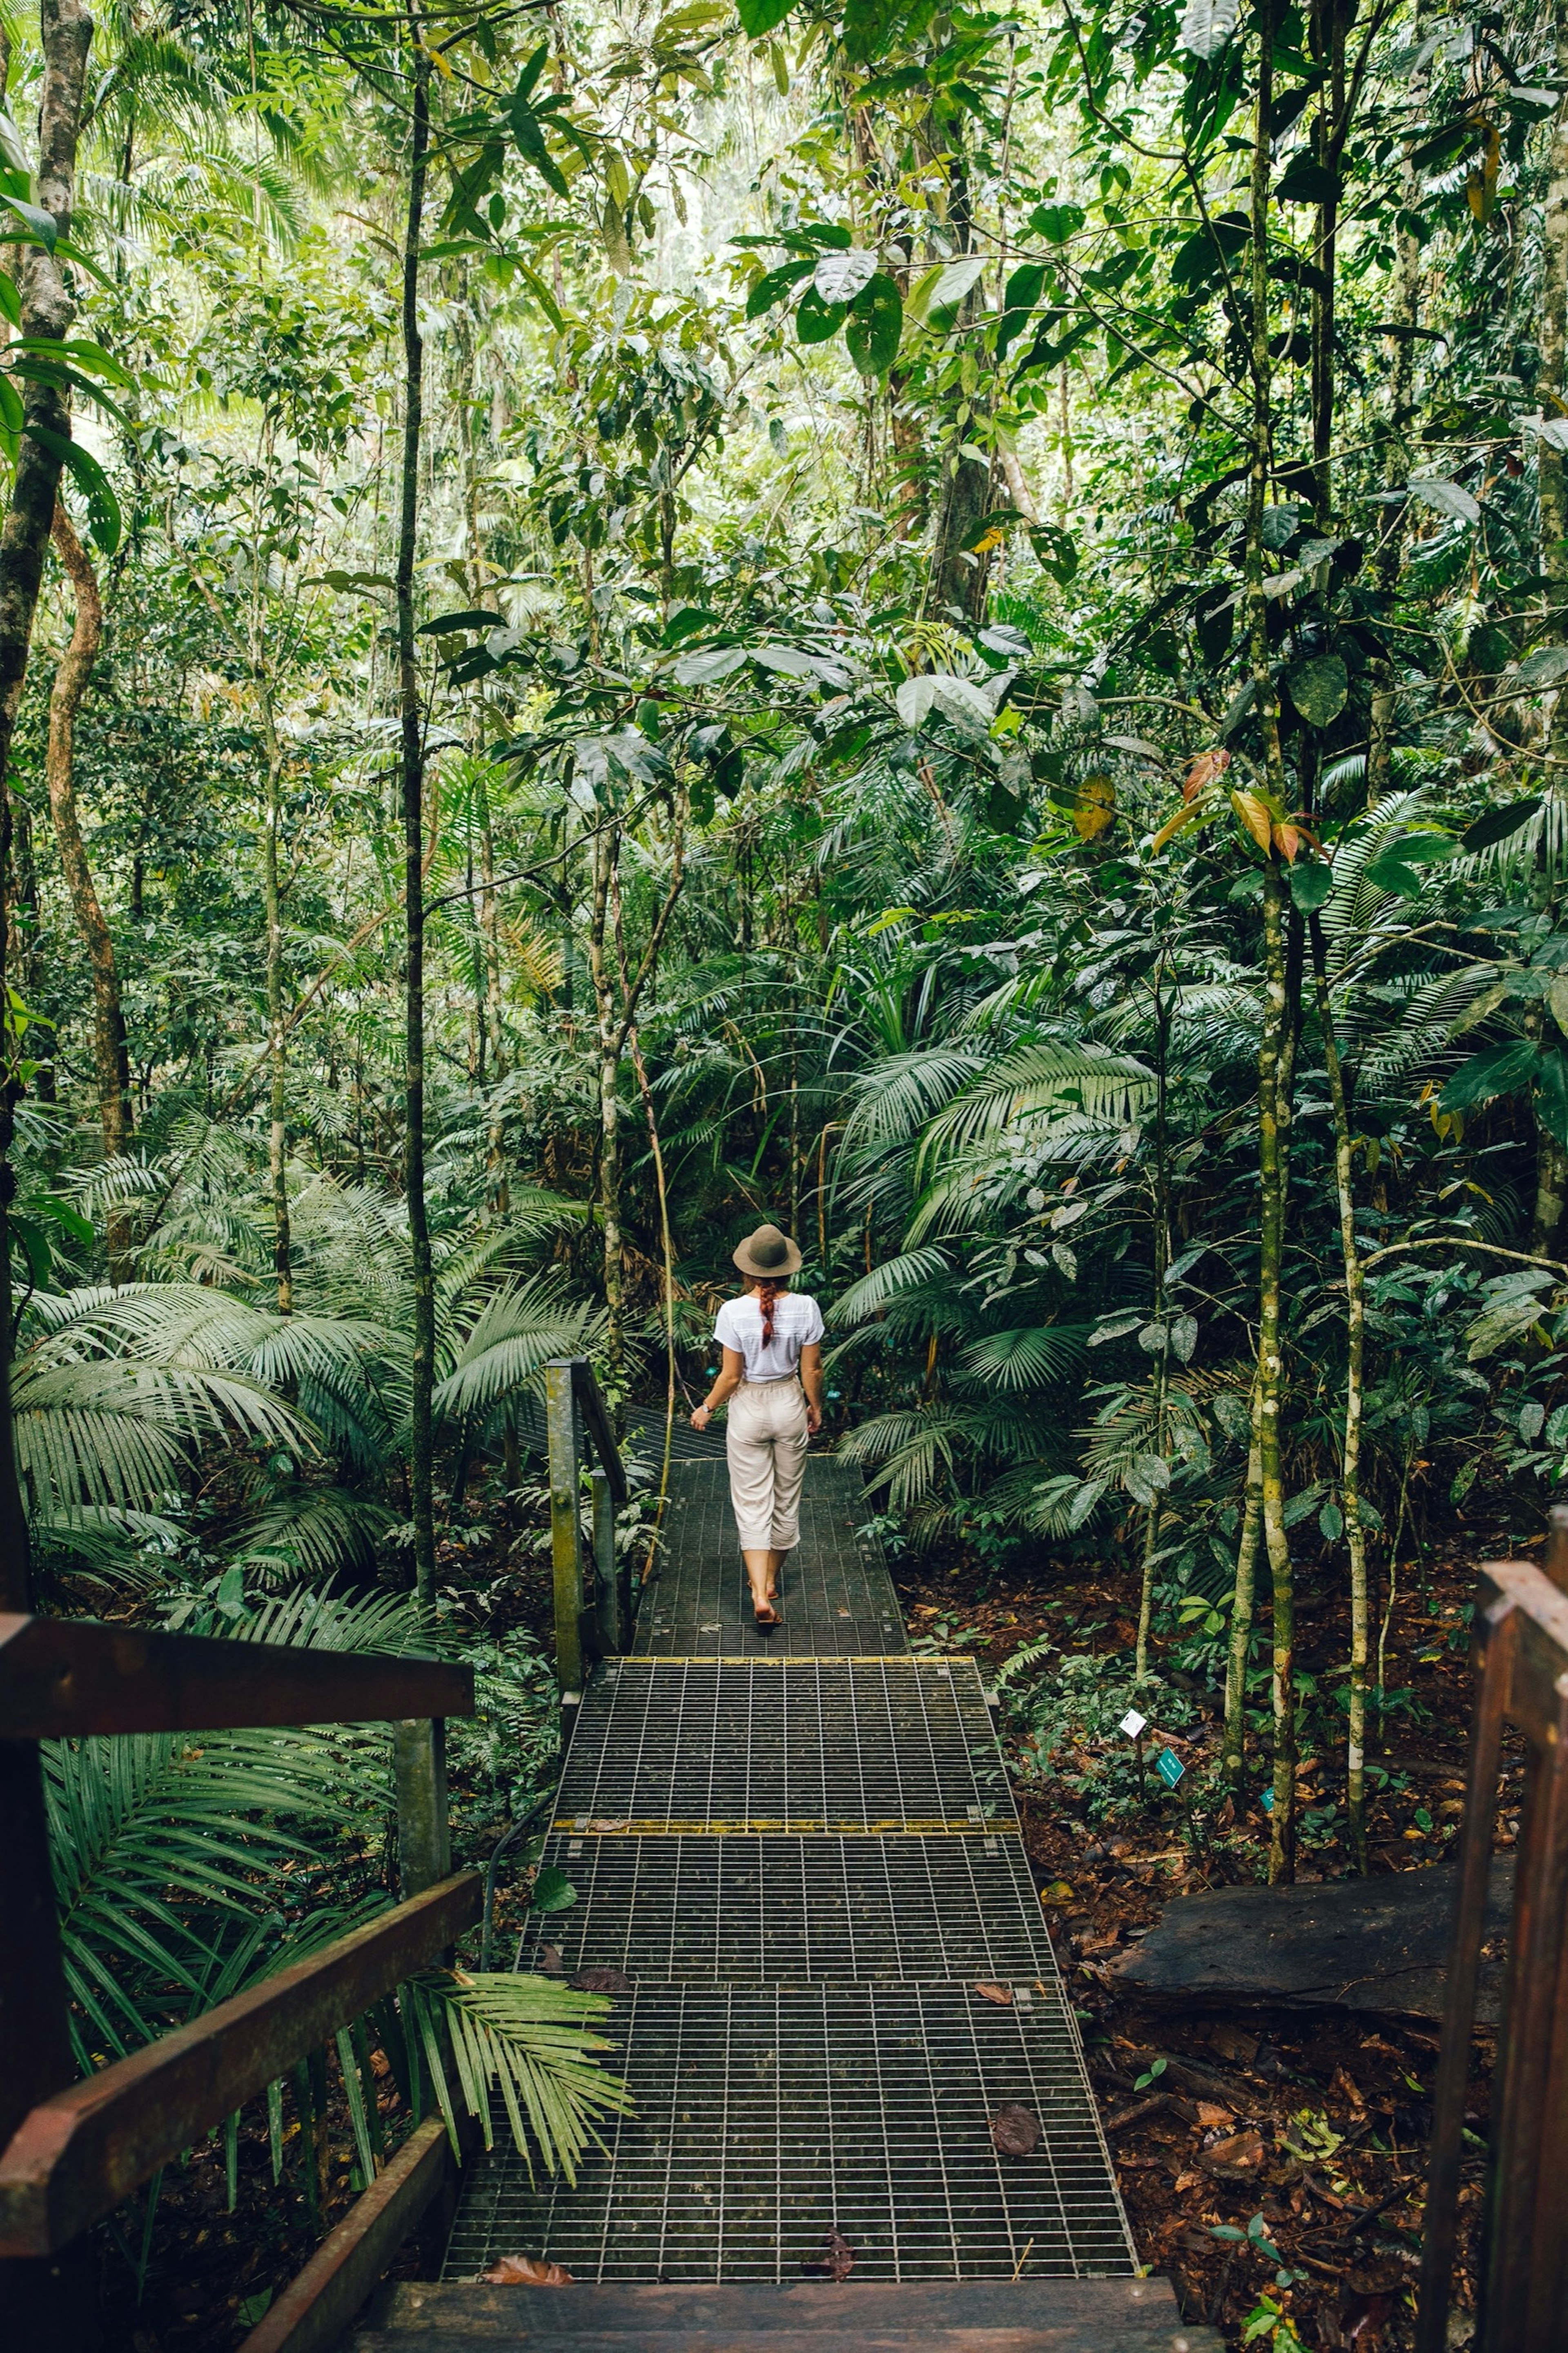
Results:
[72, 2151]
[1521, 1667]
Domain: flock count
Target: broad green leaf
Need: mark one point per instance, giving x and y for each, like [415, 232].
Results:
[707, 668]
[874, 324]
[102, 507]
[1056, 223]
[1444, 498]
[446, 622]
[1499, 823]
[840, 276]
[1320, 688]
[760, 16]
[552, 1891]
[1304, 181]
[1311, 880]
[1207, 26]
[915, 699]
[866, 26]
[41, 223]
[1547, 666]
[960, 699]
[954, 281]
[1023, 292]
[1496, 1070]
[818, 321]
[776, 284]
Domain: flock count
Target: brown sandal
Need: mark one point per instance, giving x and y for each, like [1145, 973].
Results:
[767, 1619]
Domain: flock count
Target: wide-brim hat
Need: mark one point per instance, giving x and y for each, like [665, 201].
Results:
[769, 1255]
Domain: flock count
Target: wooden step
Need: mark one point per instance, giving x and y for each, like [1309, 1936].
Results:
[1119, 2316]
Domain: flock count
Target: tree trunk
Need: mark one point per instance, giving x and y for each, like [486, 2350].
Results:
[276, 1044]
[1162, 1257]
[605, 850]
[421, 1366]
[65, 33]
[1275, 1055]
[1549, 384]
[1232, 1739]
[108, 1022]
[1403, 315]
[1350, 1453]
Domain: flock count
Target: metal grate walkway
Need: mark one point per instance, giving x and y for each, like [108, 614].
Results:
[804, 1852]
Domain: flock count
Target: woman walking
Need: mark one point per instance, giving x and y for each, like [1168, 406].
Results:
[772, 1339]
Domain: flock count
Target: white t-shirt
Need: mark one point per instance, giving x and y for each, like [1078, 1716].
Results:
[797, 1322]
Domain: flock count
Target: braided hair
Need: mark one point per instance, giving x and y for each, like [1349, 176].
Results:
[769, 1293]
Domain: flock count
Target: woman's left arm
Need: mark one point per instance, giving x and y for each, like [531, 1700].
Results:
[811, 1382]
[728, 1382]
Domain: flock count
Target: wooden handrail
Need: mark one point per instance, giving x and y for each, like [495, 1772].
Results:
[63, 1677]
[593, 1598]
[77, 2155]
[1521, 1660]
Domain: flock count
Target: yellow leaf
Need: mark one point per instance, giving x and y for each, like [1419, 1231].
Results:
[992, 539]
[1058, 1891]
[1095, 807]
[1255, 817]
[1174, 825]
[1480, 187]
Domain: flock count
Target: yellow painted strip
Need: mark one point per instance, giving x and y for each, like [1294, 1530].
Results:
[801, 1659]
[797, 1826]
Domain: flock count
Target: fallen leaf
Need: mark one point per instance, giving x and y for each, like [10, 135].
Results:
[1060, 1891]
[1015, 2132]
[600, 1822]
[1209, 2111]
[1185, 2182]
[527, 2271]
[1001, 1995]
[551, 1962]
[837, 2256]
[600, 1980]
[1348, 2089]
[1204, 770]
[1236, 2158]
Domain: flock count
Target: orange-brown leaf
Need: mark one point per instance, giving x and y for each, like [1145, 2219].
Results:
[1000, 1994]
[527, 2271]
[1203, 772]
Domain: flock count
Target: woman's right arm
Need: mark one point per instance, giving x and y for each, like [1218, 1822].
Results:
[728, 1382]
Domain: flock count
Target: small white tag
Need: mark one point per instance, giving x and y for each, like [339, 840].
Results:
[1133, 1724]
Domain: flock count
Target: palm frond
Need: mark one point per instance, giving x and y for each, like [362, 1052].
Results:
[529, 2039]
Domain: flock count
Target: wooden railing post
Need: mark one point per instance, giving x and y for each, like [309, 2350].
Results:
[424, 1833]
[47, 2302]
[609, 1612]
[1521, 1663]
[566, 1523]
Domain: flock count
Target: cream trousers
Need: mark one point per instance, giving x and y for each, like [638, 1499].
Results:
[765, 1438]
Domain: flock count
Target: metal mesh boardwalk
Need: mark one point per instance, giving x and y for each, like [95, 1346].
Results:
[805, 1854]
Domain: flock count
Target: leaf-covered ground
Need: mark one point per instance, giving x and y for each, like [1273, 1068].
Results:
[1269, 2142]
